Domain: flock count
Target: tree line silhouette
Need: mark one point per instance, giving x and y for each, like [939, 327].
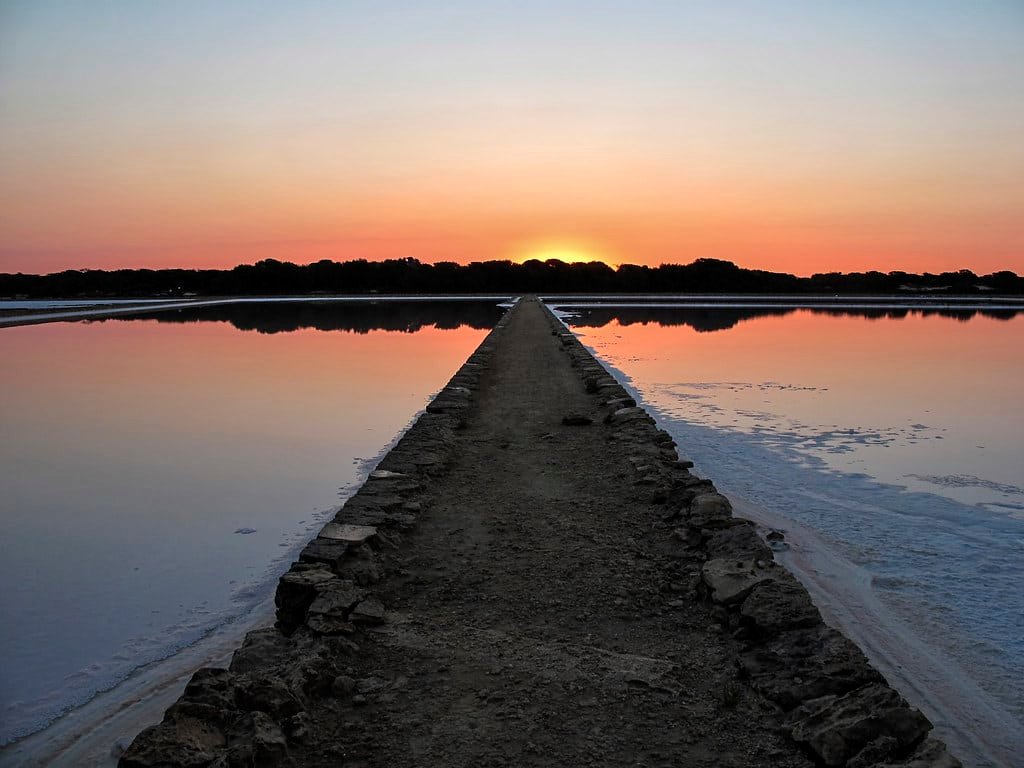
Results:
[411, 276]
[357, 317]
[704, 320]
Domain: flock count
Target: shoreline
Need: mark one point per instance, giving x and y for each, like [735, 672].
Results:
[354, 597]
[848, 603]
[97, 731]
[930, 678]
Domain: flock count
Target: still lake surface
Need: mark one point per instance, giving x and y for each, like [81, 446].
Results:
[160, 471]
[889, 445]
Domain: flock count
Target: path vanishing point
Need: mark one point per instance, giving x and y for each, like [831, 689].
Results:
[533, 577]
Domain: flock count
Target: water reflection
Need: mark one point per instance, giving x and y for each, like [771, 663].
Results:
[723, 318]
[894, 436]
[361, 317]
[159, 473]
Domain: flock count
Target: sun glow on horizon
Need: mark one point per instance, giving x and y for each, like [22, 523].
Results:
[564, 252]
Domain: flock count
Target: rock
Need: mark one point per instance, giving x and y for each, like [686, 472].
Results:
[369, 611]
[329, 625]
[383, 474]
[873, 752]
[370, 685]
[626, 415]
[269, 747]
[343, 685]
[738, 541]
[327, 551]
[778, 605]
[576, 420]
[774, 535]
[329, 613]
[337, 598]
[349, 534]
[663, 438]
[296, 591]
[369, 501]
[802, 664]
[266, 694]
[928, 754]
[212, 687]
[616, 403]
[732, 580]
[184, 742]
[260, 648]
[836, 728]
[710, 510]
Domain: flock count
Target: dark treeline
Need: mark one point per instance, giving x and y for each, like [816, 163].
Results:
[361, 317]
[409, 276]
[724, 318]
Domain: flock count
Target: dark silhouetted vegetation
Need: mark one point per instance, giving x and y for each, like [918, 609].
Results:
[704, 319]
[410, 276]
[356, 317]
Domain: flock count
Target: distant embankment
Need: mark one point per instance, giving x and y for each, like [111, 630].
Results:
[533, 576]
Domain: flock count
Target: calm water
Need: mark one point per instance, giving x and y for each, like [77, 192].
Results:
[890, 446]
[159, 473]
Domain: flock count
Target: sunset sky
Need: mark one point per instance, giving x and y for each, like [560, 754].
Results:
[793, 136]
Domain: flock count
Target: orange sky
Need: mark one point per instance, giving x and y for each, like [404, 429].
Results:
[806, 139]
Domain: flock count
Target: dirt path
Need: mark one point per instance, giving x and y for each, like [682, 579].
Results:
[532, 623]
[527, 593]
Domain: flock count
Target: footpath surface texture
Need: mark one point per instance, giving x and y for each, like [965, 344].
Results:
[509, 589]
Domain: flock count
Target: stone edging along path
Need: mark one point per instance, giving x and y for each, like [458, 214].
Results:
[807, 691]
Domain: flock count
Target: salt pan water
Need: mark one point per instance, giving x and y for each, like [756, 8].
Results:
[160, 472]
[888, 444]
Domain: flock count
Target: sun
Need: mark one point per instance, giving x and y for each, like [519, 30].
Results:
[569, 254]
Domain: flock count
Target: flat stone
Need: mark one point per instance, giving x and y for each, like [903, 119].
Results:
[739, 541]
[383, 474]
[930, 753]
[328, 551]
[732, 580]
[617, 403]
[296, 590]
[337, 599]
[836, 728]
[351, 534]
[626, 415]
[260, 648]
[185, 742]
[779, 605]
[710, 510]
[329, 625]
[369, 611]
[371, 501]
[802, 664]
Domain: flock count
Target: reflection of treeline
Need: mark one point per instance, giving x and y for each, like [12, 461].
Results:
[359, 317]
[722, 318]
[411, 276]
